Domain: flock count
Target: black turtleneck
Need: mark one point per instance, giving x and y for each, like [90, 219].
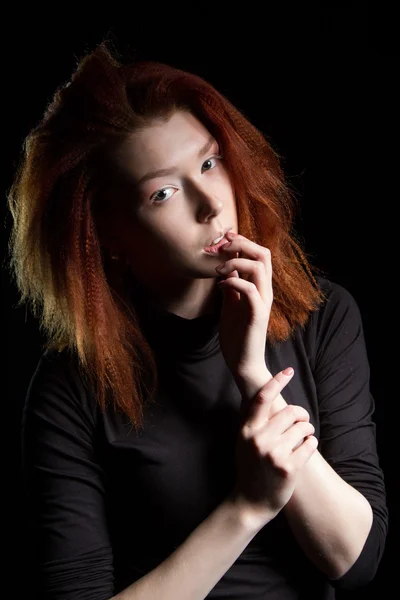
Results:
[176, 335]
[106, 505]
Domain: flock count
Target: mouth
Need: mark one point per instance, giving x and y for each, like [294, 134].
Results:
[214, 248]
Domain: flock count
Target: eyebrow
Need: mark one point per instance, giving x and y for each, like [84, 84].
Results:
[171, 170]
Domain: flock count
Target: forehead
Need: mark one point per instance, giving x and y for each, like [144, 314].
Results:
[164, 144]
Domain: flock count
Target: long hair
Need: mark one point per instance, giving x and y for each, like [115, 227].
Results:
[59, 264]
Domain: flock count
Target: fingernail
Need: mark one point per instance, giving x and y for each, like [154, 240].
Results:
[230, 234]
[289, 371]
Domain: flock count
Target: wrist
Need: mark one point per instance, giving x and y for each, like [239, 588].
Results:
[250, 518]
[250, 385]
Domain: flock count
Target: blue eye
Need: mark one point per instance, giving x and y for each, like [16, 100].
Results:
[155, 199]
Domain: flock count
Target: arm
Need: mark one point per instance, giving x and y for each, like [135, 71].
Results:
[65, 500]
[337, 512]
[194, 568]
[71, 554]
[331, 522]
[329, 519]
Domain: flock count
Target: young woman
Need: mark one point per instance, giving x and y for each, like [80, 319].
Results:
[168, 452]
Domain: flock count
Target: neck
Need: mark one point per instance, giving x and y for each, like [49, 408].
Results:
[196, 301]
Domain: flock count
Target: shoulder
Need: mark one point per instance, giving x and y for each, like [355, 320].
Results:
[57, 386]
[335, 324]
[338, 301]
[336, 293]
[56, 370]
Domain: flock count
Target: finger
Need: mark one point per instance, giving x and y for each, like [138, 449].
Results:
[283, 422]
[236, 290]
[253, 269]
[234, 273]
[257, 412]
[295, 435]
[241, 244]
[287, 460]
[303, 453]
[253, 251]
[292, 413]
[230, 295]
[249, 294]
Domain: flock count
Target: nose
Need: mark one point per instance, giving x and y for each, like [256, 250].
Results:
[206, 199]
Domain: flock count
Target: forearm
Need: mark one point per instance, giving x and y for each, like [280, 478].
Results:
[194, 568]
[329, 518]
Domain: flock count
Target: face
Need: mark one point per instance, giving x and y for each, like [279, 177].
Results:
[162, 224]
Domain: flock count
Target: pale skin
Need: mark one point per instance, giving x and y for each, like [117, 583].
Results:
[198, 201]
[329, 518]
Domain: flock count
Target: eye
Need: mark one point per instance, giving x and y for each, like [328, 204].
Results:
[155, 198]
[219, 157]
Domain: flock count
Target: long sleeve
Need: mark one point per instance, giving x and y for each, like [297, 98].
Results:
[64, 488]
[347, 432]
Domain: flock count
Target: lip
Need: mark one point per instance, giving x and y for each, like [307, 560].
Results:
[217, 234]
[215, 248]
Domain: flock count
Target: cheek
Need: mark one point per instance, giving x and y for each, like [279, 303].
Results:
[228, 184]
[223, 186]
[172, 244]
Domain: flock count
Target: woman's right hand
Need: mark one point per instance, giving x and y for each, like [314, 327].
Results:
[270, 453]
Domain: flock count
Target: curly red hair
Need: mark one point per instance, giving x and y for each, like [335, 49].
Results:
[55, 253]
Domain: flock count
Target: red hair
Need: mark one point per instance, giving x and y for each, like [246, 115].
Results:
[55, 251]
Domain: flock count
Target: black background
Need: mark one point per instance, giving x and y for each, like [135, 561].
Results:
[320, 83]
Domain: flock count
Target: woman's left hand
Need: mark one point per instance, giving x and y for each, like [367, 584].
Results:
[246, 307]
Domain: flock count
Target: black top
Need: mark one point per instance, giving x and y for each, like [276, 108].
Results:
[107, 505]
